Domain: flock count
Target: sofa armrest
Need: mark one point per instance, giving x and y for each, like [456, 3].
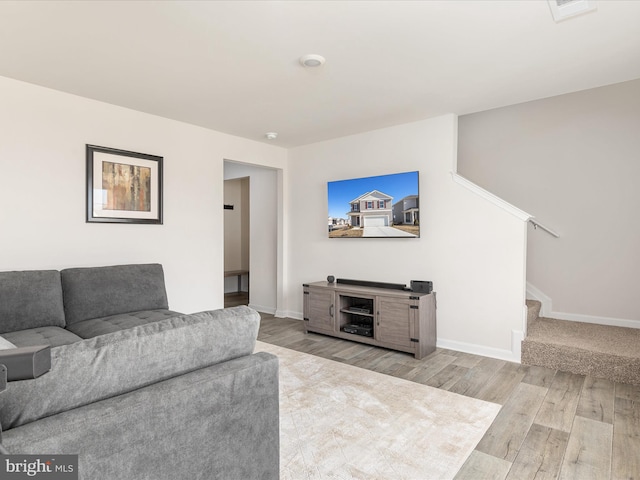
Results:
[108, 365]
[24, 363]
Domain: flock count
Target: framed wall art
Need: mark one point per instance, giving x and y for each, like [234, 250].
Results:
[123, 186]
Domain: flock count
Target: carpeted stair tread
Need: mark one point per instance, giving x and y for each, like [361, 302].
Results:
[599, 338]
[584, 348]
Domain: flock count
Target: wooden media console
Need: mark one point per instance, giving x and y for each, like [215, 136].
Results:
[396, 319]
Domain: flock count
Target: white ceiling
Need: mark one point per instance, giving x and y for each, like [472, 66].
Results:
[232, 66]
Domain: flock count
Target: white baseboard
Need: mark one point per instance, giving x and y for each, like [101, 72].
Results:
[263, 309]
[500, 354]
[517, 337]
[288, 314]
[535, 294]
[578, 317]
[547, 311]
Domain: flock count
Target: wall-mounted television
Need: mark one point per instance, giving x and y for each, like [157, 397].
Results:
[385, 206]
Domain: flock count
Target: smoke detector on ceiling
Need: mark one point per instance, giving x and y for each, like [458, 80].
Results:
[312, 60]
[563, 9]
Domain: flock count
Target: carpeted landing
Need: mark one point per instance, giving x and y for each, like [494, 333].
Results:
[583, 348]
[343, 422]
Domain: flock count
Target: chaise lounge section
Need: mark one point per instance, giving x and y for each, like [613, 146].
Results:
[136, 390]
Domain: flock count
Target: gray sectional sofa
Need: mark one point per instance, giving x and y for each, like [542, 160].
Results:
[136, 390]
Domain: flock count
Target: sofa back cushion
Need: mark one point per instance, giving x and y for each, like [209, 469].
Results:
[103, 291]
[30, 299]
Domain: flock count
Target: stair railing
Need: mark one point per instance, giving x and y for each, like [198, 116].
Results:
[537, 224]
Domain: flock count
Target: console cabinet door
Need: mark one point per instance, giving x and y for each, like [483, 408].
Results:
[395, 322]
[319, 309]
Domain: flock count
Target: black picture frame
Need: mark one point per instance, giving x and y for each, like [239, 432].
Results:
[123, 186]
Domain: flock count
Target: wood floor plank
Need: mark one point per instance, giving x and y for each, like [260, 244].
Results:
[466, 359]
[597, 400]
[626, 439]
[588, 454]
[326, 349]
[445, 378]
[477, 377]
[284, 340]
[479, 465]
[540, 376]
[508, 431]
[434, 366]
[352, 350]
[235, 299]
[630, 392]
[382, 363]
[386, 364]
[304, 344]
[280, 332]
[540, 456]
[369, 358]
[412, 361]
[559, 406]
[406, 372]
[499, 387]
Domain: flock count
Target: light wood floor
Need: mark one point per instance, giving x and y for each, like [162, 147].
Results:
[235, 299]
[552, 425]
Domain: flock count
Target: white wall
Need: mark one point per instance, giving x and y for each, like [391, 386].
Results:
[572, 162]
[42, 190]
[472, 250]
[263, 227]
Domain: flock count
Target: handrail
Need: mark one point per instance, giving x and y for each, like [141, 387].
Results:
[546, 229]
[499, 202]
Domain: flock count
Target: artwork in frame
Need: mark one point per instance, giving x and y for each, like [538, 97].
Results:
[123, 186]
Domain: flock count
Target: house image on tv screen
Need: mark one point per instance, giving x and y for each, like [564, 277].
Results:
[385, 206]
[373, 209]
[407, 211]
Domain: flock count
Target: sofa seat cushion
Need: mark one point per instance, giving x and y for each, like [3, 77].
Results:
[54, 336]
[6, 344]
[108, 365]
[114, 323]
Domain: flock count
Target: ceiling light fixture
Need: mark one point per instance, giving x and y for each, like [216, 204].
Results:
[312, 60]
[271, 135]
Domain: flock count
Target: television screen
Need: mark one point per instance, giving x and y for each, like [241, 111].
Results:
[384, 206]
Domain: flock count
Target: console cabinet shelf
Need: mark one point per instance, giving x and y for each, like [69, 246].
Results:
[396, 319]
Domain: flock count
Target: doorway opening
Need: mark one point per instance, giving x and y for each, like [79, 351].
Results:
[236, 241]
[252, 253]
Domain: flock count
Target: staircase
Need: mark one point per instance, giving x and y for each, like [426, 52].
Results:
[583, 348]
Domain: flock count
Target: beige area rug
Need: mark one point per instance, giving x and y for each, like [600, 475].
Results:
[343, 422]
